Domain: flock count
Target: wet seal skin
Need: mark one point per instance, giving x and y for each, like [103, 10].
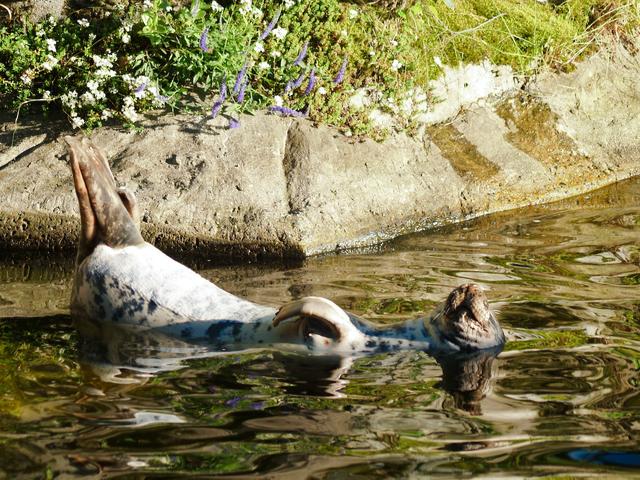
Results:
[122, 280]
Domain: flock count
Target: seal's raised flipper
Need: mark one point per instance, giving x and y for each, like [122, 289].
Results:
[318, 320]
[106, 212]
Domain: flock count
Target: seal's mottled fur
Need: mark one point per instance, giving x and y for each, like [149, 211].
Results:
[123, 280]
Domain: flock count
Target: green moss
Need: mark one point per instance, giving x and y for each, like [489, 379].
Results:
[550, 339]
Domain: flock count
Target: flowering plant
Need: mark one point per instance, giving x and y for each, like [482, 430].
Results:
[359, 67]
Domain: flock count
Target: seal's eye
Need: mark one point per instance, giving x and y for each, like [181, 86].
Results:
[311, 325]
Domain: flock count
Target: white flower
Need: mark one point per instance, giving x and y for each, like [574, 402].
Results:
[289, 3]
[106, 114]
[26, 79]
[322, 91]
[92, 37]
[76, 121]
[147, 4]
[353, 13]
[126, 38]
[105, 73]
[275, 54]
[372, 53]
[129, 110]
[127, 26]
[39, 33]
[93, 86]
[393, 43]
[168, 8]
[245, 6]
[69, 99]
[83, 22]
[279, 32]
[51, 44]
[216, 7]
[343, 33]
[396, 65]
[263, 65]
[87, 98]
[46, 95]
[278, 100]
[102, 62]
[50, 63]
[259, 47]
[256, 12]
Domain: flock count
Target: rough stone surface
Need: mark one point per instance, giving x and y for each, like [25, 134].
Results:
[36, 10]
[281, 187]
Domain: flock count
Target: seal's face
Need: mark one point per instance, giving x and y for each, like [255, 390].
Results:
[466, 321]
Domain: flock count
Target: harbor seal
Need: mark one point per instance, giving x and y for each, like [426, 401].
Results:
[119, 278]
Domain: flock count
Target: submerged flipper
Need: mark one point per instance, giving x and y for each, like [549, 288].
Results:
[108, 214]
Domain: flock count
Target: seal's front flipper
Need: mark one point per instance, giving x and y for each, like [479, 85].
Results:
[319, 322]
[106, 212]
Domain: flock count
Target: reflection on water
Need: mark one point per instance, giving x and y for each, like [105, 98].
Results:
[562, 399]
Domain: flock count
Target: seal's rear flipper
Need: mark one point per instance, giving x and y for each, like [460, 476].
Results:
[318, 320]
[108, 214]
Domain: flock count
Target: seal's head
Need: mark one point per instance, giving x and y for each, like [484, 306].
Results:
[465, 322]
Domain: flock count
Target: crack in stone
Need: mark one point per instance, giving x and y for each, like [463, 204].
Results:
[296, 151]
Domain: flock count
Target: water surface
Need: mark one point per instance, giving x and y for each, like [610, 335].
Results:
[562, 400]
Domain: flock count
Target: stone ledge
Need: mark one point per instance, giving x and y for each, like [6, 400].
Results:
[280, 187]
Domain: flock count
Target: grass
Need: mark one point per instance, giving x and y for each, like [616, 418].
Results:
[391, 55]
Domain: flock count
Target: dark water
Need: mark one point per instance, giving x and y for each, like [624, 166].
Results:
[562, 400]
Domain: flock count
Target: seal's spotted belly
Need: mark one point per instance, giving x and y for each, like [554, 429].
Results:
[141, 287]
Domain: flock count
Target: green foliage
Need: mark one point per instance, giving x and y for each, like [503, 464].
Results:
[149, 56]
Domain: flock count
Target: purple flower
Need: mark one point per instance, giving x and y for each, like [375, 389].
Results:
[341, 73]
[291, 85]
[287, 112]
[302, 54]
[312, 82]
[217, 106]
[233, 123]
[223, 87]
[203, 40]
[162, 98]
[257, 405]
[272, 24]
[138, 91]
[233, 402]
[243, 87]
[239, 79]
